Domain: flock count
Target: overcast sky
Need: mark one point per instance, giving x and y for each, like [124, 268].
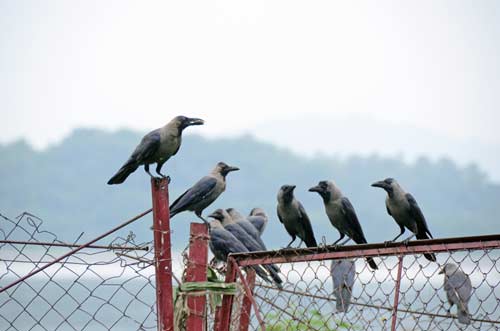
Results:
[261, 67]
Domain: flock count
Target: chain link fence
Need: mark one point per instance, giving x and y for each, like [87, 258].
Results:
[112, 287]
[335, 289]
[109, 287]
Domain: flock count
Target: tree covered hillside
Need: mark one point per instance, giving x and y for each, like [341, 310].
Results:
[66, 186]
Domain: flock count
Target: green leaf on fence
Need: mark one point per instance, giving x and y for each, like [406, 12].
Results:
[212, 287]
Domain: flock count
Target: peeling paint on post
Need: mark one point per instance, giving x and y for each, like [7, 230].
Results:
[196, 271]
[163, 255]
[246, 307]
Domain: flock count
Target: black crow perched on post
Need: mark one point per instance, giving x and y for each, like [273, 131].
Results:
[156, 147]
[342, 215]
[404, 209]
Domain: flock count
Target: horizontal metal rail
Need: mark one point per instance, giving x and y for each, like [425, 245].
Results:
[56, 244]
[331, 252]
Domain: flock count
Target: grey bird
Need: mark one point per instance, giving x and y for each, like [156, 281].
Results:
[293, 216]
[239, 219]
[222, 243]
[343, 272]
[341, 214]
[250, 243]
[203, 193]
[259, 219]
[156, 147]
[458, 289]
[404, 209]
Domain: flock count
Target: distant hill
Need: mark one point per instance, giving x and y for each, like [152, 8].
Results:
[66, 186]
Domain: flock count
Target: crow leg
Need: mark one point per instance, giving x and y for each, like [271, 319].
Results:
[338, 240]
[399, 235]
[449, 309]
[201, 218]
[146, 168]
[407, 240]
[204, 220]
[300, 243]
[158, 171]
[291, 242]
[345, 242]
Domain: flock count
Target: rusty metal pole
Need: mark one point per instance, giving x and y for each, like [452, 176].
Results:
[246, 307]
[196, 271]
[396, 294]
[163, 255]
[224, 315]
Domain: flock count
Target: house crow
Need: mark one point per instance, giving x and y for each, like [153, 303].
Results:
[458, 289]
[247, 226]
[250, 229]
[343, 272]
[230, 225]
[258, 218]
[404, 209]
[222, 243]
[341, 214]
[203, 193]
[156, 147]
[293, 216]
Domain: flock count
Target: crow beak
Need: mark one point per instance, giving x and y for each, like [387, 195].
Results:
[229, 169]
[215, 215]
[380, 184]
[195, 121]
[315, 189]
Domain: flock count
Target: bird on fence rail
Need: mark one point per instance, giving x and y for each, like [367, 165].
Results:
[343, 272]
[156, 147]
[342, 215]
[247, 226]
[404, 209]
[258, 218]
[458, 289]
[246, 239]
[293, 216]
[203, 193]
[222, 243]
[249, 229]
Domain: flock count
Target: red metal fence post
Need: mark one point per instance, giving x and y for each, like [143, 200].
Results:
[196, 271]
[396, 295]
[163, 255]
[246, 307]
[224, 315]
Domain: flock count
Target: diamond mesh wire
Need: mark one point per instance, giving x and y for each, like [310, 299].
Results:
[308, 302]
[93, 289]
[114, 289]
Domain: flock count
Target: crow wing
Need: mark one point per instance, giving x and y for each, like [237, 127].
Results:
[352, 222]
[194, 195]
[418, 216]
